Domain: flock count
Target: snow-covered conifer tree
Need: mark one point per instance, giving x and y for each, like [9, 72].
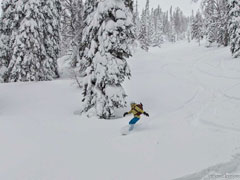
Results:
[151, 28]
[35, 44]
[143, 37]
[148, 21]
[234, 27]
[177, 22]
[210, 14]
[223, 33]
[136, 21]
[166, 24]
[158, 34]
[180, 23]
[216, 21]
[11, 13]
[71, 30]
[189, 28]
[108, 35]
[171, 33]
[83, 59]
[197, 27]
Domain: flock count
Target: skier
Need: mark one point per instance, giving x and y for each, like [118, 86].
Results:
[136, 110]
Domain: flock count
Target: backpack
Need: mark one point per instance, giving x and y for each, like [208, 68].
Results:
[139, 106]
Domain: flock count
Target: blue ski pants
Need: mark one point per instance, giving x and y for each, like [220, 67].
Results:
[134, 120]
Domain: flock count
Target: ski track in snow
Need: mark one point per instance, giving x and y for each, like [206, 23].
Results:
[214, 94]
[219, 169]
[190, 92]
[208, 123]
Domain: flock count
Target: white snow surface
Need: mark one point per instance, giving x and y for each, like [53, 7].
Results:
[190, 92]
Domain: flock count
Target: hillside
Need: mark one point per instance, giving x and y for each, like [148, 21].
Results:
[190, 92]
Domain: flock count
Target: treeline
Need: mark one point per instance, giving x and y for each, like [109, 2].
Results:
[153, 26]
[219, 22]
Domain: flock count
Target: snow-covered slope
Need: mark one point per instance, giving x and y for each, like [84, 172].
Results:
[190, 92]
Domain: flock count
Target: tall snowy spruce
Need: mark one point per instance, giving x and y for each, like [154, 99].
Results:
[143, 37]
[171, 31]
[83, 59]
[234, 27]
[148, 22]
[136, 21]
[197, 27]
[158, 27]
[151, 28]
[216, 21]
[107, 37]
[8, 23]
[34, 44]
[71, 29]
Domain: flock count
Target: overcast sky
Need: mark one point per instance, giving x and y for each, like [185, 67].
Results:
[185, 5]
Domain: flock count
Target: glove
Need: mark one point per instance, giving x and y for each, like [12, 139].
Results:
[126, 113]
[146, 114]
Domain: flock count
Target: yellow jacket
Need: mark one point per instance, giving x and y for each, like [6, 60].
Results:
[136, 111]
